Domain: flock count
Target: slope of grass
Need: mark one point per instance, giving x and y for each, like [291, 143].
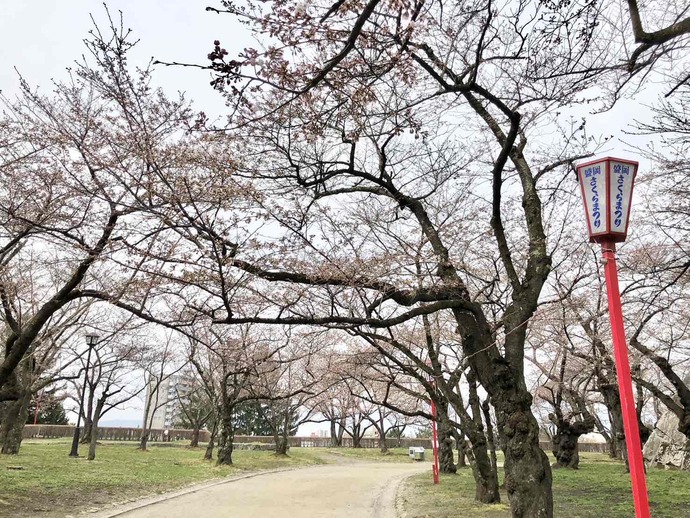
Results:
[600, 488]
[50, 483]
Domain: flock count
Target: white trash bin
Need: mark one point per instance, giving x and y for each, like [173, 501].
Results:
[419, 453]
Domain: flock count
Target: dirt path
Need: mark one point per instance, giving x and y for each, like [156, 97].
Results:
[357, 490]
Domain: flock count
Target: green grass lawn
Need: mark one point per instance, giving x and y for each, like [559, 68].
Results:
[375, 455]
[599, 489]
[51, 483]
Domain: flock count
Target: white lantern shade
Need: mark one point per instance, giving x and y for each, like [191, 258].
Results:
[622, 178]
[607, 187]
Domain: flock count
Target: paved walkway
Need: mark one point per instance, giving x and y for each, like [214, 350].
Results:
[358, 490]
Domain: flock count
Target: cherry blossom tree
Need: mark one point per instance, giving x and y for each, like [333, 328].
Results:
[76, 190]
[333, 96]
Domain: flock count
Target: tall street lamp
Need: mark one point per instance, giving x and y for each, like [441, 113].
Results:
[607, 187]
[91, 342]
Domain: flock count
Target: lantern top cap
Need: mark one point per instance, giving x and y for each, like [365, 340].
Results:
[608, 159]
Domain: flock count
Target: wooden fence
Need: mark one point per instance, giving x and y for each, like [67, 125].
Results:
[133, 434]
[583, 447]
[111, 433]
[107, 433]
[366, 442]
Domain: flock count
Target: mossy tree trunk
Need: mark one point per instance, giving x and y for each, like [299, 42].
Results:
[227, 432]
[195, 438]
[14, 418]
[528, 479]
[446, 462]
[564, 441]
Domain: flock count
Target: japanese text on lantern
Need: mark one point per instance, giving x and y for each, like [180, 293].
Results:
[620, 171]
[591, 173]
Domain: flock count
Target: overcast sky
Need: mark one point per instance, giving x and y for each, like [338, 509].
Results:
[43, 37]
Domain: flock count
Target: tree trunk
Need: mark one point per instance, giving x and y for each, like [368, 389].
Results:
[564, 448]
[613, 450]
[527, 470]
[383, 447]
[617, 430]
[86, 431]
[612, 400]
[341, 431]
[645, 431]
[484, 471]
[195, 437]
[86, 418]
[208, 454]
[145, 428]
[280, 435]
[446, 459]
[144, 440]
[564, 442]
[491, 443]
[485, 476]
[14, 418]
[461, 448]
[334, 434]
[609, 392]
[382, 435]
[227, 435]
[281, 445]
[446, 462]
[93, 442]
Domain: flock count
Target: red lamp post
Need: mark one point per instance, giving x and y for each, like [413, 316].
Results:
[434, 430]
[607, 187]
[434, 441]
